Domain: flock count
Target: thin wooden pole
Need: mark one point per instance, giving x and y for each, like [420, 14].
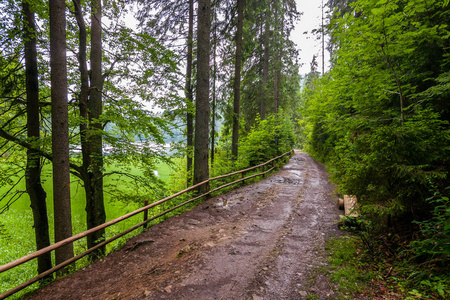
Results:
[145, 213]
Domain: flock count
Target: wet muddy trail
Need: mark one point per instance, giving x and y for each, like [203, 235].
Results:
[262, 241]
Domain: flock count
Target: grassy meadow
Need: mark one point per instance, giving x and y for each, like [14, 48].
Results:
[17, 233]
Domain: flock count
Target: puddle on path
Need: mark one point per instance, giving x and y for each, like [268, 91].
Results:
[296, 172]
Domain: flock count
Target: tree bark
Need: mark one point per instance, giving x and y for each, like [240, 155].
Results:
[33, 170]
[237, 80]
[95, 207]
[213, 117]
[276, 64]
[60, 129]
[265, 63]
[88, 101]
[201, 164]
[189, 96]
[84, 89]
[323, 43]
[279, 28]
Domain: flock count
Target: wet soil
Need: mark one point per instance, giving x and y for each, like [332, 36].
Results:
[262, 241]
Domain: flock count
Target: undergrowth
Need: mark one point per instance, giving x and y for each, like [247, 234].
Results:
[347, 266]
[403, 262]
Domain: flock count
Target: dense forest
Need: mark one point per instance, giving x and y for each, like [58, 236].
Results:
[92, 90]
[379, 119]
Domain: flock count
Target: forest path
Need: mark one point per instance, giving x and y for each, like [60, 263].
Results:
[262, 241]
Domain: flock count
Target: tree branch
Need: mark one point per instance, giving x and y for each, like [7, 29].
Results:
[77, 170]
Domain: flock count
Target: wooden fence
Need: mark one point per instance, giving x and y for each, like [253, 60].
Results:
[271, 164]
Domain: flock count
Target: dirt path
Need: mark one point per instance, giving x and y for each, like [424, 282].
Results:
[262, 241]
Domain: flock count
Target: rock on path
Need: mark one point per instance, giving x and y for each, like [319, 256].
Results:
[262, 241]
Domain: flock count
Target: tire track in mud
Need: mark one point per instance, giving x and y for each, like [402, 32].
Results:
[296, 273]
[262, 241]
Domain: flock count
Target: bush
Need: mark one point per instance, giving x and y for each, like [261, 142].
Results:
[434, 243]
[267, 139]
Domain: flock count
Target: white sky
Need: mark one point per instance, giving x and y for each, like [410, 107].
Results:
[308, 44]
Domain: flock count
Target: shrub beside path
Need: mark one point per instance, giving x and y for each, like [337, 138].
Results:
[262, 241]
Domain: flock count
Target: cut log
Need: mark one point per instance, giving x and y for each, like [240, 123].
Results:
[350, 205]
[341, 203]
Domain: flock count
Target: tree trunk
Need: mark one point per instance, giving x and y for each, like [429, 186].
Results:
[60, 129]
[279, 65]
[95, 207]
[276, 63]
[213, 117]
[323, 44]
[265, 64]
[84, 90]
[201, 164]
[279, 27]
[89, 113]
[189, 96]
[33, 170]
[237, 80]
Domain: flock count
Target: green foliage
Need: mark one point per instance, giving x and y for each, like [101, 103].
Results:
[418, 268]
[278, 19]
[11, 179]
[379, 119]
[132, 65]
[267, 139]
[361, 227]
[428, 269]
[435, 241]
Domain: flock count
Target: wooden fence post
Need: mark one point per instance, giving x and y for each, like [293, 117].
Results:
[146, 214]
[208, 188]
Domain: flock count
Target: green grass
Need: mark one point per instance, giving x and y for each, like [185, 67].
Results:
[17, 235]
[346, 267]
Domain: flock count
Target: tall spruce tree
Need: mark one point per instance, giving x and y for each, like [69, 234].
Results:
[166, 21]
[214, 90]
[265, 77]
[237, 79]
[95, 207]
[33, 170]
[189, 95]
[90, 108]
[201, 145]
[60, 129]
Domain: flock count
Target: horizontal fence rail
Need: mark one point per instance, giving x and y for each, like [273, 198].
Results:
[144, 209]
